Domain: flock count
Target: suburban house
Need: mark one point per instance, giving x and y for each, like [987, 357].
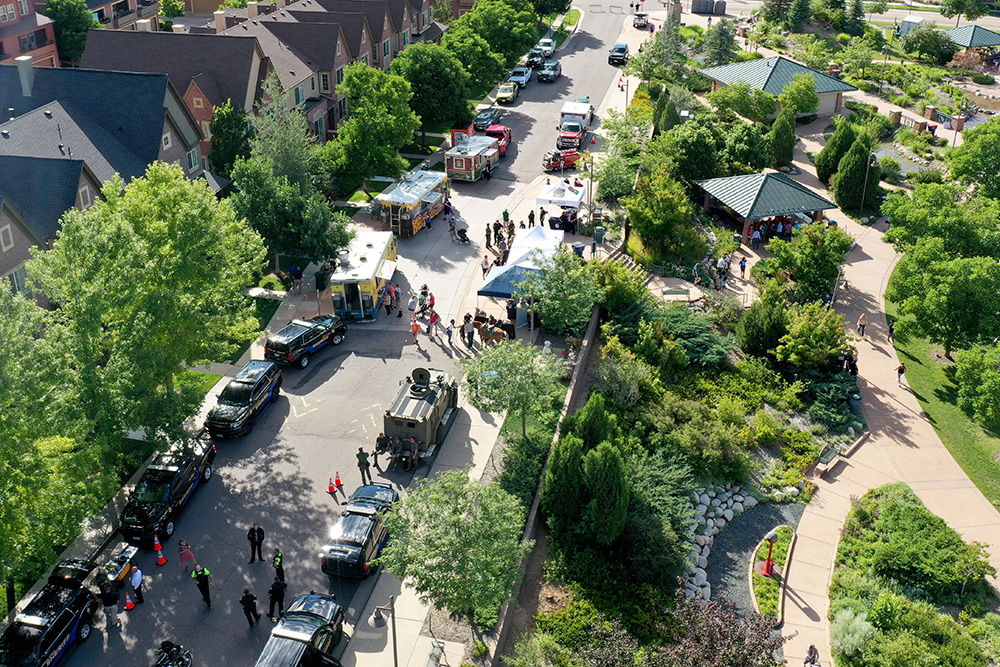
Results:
[69, 132]
[773, 74]
[206, 69]
[123, 14]
[24, 32]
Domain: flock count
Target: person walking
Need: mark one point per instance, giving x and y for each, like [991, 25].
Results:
[363, 465]
[249, 604]
[109, 598]
[469, 329]
[743, 267]
[135, 580]
[411, 306]
[755, 239]
[278, 563]
[449, 330]
[485, 264]
[488, 236]
[891, 336]
[432, 323]
[696, 274]
[862, 323]
[415, 330]
[276, 594]
[203, 579]
[255, 536]
[900, 370]
[497, 231]
[186, 555]
[531, 218]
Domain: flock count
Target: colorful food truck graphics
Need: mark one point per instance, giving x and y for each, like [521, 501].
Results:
[362, 274]
[411, 202]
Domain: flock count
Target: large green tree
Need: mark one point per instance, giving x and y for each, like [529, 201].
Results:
[562, 485]
[607, 492]
[940, 210]
[439, 83]
[776, 11]
[281, 137]
[760, 329]
[977, 372]
[457, 542]
[799, 95]
[150, 280]
[720, 43]
[741, 98]
[856, 168]
[547, 7]
[816, 337]
[747, 148]
[929, 42]
[829, 158]
[381, 122]
[564, 291]
[172, 8]
[693, 147]
[975, 161]
[970, 9]
[511, 377]
[953, 301]
[508, 26]
[230, 130]
[811, 259]
[72, 19]
[782, 140]
[660, 213]
[484, 65]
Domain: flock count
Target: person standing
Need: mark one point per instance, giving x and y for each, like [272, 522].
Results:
[278, 563]
[755, 239]
[186, 555]
[469, 329]
[432, 323]
[414, 450]
[862, 323]
[415, 330]
[900, 370]
[255, 536]
[891, 336]
[296, 275]
[364, 466]
[488, 236]
[203, 579]
[109, 598]
[387, 302]
[743, 267]
[135, 580]
[449, 330]
[485, 264]
[497, 231]
[276, 594]
[249, 604]
[531, 218]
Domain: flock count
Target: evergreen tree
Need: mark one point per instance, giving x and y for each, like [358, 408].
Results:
[855, 19]
[841, 141]
[230, 131]
[849, 184]
[673, 42]
[776, 11]
[562, 487]
[670, 117]
[799, 15]
[720, 44]
[782, 140]
[606, 487]
[661, 105]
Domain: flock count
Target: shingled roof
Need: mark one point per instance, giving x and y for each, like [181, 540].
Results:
[41, 207]
[973, 36]
[222, 65]
[296, 49]
[764, 195]
[353, 25]
[772, 75]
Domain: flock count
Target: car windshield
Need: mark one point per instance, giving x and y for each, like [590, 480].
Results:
[237, 393]
[152, 490]
[496, 134]
[506, 88]
[18, 644]
[618, 49]
[520, 71]
[569, 126]
[551, 66]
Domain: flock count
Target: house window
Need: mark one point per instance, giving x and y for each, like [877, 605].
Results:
[312, 82]
[338, 48]
[374, 52]
[198, 102]
[85, 199]
[342, 109]
[300, 95]
[6, 238]
[340, 75]
[19, 281]
[385, 49]
[27, 41]
[193, 159]
[427, 19]
[205, 129]
[364, 59]
[406, 37]
[166, 141]
[3, 14]
[318, 127]
[24, 7]
[10, 11]
[324, 82]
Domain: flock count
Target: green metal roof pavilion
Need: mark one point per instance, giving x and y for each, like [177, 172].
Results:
[973, 36]
[764, 195]
[773, 74]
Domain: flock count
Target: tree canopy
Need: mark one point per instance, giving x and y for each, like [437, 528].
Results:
[935, 210]
[741, 98]
[782, 140]
[508, 26]
[484, 65]
[660, 213]
[72, 20]
[816, 337]
[438, 81]
[975, 161]
[281, 137]
[720, 43]
[230, 131]
[977, 372]
[970, 9]
[564, 291]
[799, 96]
[811, 259]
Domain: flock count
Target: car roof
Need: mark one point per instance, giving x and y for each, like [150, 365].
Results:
[551, 64]
[281, 651]
[379, 494]
[496, 128]
[315, 604]
[354, 526]
[45, 606]
[291, 330]
[253, 370]
[620, 45]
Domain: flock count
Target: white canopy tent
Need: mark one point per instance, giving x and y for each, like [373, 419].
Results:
[561, 193]
[501, 281]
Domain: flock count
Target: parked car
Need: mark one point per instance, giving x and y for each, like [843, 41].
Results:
[508, 92]
[550, 71]
[548, 47]
[487, 117]
[165, 488]
[244, 398]
[502, 134]
[521, 76]
[313, 625]
[640, 20]
[359, 536]
[300, 339]
[618, 55]
[535, 57]
[62, 613]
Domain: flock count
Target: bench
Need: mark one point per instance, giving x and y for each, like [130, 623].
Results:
[828, 459]
[429, 454]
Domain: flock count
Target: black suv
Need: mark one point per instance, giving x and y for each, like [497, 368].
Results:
[618, 55]
[165, 488]
[360, 535]
[308, 632]
[63, 611]
[550, 71]
[535, 57]
[244, 398]
[294, 344]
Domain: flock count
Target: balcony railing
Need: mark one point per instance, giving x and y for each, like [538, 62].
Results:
[150, 10]
[31, 46]
[122, 20]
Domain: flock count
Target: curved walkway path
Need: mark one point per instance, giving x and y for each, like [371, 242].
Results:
[903, 445]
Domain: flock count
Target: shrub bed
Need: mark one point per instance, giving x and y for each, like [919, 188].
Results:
[767, 590]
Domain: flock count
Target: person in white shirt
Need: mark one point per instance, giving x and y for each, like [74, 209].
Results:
[136, 582]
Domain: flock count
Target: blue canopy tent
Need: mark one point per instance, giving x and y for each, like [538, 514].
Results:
[503, 280]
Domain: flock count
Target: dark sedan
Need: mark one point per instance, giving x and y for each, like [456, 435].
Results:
[487, 117]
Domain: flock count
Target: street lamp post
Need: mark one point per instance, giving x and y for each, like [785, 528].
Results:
[377, 620]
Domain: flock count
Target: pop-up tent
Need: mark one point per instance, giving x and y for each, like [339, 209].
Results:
[501, 281]
[561, 193]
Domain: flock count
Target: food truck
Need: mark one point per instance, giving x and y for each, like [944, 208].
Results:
[408, 205]
[363, 271]
[423, 410]
[471, 158]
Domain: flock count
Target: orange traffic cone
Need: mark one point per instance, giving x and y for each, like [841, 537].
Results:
[331, 488]
[129, 605]
[156, 542]
[338, 482]
[160, 559]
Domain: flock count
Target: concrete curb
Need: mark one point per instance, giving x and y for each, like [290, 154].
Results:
[784, 578]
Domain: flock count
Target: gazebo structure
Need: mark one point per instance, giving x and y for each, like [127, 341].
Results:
[973, 37]
[766, 195]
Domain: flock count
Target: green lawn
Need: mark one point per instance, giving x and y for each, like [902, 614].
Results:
[571, 19]
[264, 310]
[203, 382]
[478, 93]
[416, 148]
[933, 383]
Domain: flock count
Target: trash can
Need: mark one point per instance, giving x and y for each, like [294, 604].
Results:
[855, 401]
[738, 238]
[578, 248]
[320, 281]
[599, 234]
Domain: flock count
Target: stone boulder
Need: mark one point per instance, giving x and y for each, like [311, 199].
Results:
[749, 502]
[738, 508]
[728, 514]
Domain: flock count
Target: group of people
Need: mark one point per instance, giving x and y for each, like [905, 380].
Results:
[762, 231]
[405, 449]
[723, 270]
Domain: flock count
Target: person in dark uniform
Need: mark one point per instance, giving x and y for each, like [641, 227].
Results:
[278, 563]
[255, 536]
[203, 579]
[363, 466]
[414, 450]
[109, 598]
[531, 218]
[276, 594]
[249, 604]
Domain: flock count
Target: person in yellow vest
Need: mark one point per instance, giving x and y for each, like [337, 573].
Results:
[203, 579]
